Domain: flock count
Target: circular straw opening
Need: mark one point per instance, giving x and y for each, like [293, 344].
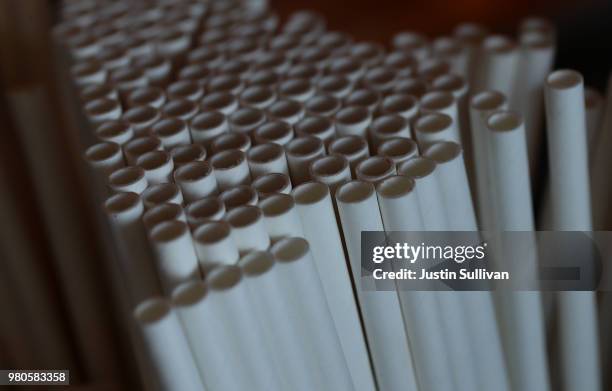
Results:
[141, 114]
[193, 171]
[290, 249]
[256, 263]
[265, 153]
[314, 125]
[443, 151]
[153, 160]
[504, 121]
[395, 186]
[388, 124]
[142, 145]
[488, 100]
[304, 146]
[498, 44]
[348, 145]
[212, 232]
[160, 213]
[226, 160]
[160, 193]
[244, 216]
[437, 100]
[271, 183]
[224, 277]
[417, 167]
[276, 204]
[376, 166]
[206, 208]
[352, 115]
[285, 108]
[218, 100]
[126, 176]
[323, 104]
[397, 147]
[564, 79]
[180, 108]
[363, 97]
[354, 191]
[121, 202]
[207, 120]
[329, 166]
[247, 117]
[101, 106]
[184, 154]
[231, 140]
[168, 231]
[310, 193]
[169, 127]
[152, 310]
[238, 196]
[189, 293]
[113, 128]
[432, 123]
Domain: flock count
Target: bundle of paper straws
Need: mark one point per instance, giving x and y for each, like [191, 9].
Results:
[241, 159]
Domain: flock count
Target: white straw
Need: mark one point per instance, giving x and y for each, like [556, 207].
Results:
[158, 166]
[267, 158]
[435, 127]
[301, 152]
[272, 183]
[128, 179]
[375, 169]
[388, 126]
[571, 207]
[196, 180]
[278, 132]
[230, 140]
[290, 111]
[215, 244]
[175, 254]
[398, 149]
[316, 126]
[172, 132]
[167, 346]
[204, 210]
[161, 213]
[248, 228]
[238, 196]
[139, 146]
[230, 169]
[353, 121]
[353, 148]
[184, 154]
[162, 193]
[358, 209]
[104, 158]
[204, 127]
[304, 290]
[314, 205]
[497, 65]
[333, 170]
[281, 217]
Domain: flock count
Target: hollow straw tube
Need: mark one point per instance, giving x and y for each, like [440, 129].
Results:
[161, 194]
[167, 345]
[332, 170]
[230, 169]
[267, 158]
[391, 357]
[161, 213]
[269, 184]
[303, 288]
[301, 152]
[214, 244]
[281, 217]
[196, 180]
[571, 207]
[248, 228]
[176, 258]
[204, 210]
[314, 205]
[280, 320]
[353, 148]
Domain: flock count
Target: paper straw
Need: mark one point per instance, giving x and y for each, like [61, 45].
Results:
[97, 91]
[454, 186]
[160, 194]
[388, 126]
[571, 206]
[147, 96]
[185, 89]
[224, 102]
[481, 106]
[400, 212]
[217, 363]
[411, 86]
[246, 120]
[335, 85]
[161, 213]
[214, 244]
[167, 346]
[443, 103]
[375, 169]
[358, 209]
[230, 169]
[398, 149]
[141, 118]
[239, 196]
[347, 66]
[230, 140]
[405, 105]
[370, 99]
[104, 158]
[128, 179]
[157, 165]
[265, 77]
[381, 79]
[353, 148]
[333, 171]
[181, 109]
[119, 132]
[278, 132]
[88, 72]
[290, 111]
[258, 97]
[353, 121]
[299, 90]
[281, 217]
[280, 320]
[521, 312]
[317, 126]
[101, 110]
[175, 254]
[248, 228]
[413, 43]
[139, 146]
[314, 205]
[323, 105]
[272, 183]
[497, 67]
[294, 258]
[125, 212]
[206, 126]
[184, 154]
[535, 61]
[421, 169]
[402, 62]
[452, 51]
[301, 152]
[303, 71]
[225, 83]
[267, 158]
[431, 68]
[196, 180]
[204, 210]
[172, 132]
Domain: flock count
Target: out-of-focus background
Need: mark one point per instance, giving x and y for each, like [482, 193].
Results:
[42, 164]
